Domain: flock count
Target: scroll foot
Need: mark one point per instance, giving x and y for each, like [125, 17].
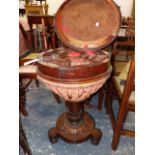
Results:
[53, 135]
[96, 135]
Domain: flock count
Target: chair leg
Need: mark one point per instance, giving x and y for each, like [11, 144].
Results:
[108, 103]
[22, 109]
[108, 96]
[24, 145]
[22, 139]
[100, 99]
[119, 124]
[37, 82]
[22, 99]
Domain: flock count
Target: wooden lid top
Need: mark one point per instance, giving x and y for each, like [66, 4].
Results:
[69, 65]
[89, 24]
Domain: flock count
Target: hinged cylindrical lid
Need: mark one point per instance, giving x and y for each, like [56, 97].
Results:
[89, 24]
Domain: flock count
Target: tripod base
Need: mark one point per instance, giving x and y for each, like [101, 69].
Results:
[74, 133]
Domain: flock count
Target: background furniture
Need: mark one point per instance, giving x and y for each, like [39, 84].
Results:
[126, 97]
[23, 139]
[123, 47]
[26, 72]
[46, 30]
[34, 9]
[122, 50]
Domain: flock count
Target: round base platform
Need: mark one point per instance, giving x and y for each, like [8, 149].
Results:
[75, 133]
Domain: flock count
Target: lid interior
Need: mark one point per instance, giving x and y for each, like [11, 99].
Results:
[87, 23]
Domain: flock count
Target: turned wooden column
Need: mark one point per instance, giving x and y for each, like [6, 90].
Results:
[75, 112]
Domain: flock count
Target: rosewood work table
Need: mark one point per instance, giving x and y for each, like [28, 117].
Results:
[76, 72]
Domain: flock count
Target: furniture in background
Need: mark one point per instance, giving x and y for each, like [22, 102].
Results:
[29, 71]
[125, 94]
[25, 72]
[124, 47]
[122, 51]
[23, 139]
[46, 30]
[34, 8]
[24, 50]
[121, 55]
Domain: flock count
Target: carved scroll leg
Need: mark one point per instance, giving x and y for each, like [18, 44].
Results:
[95, 136]
[53, 135]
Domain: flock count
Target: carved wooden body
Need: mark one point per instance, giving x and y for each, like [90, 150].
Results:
[76, 73]
[74, 76]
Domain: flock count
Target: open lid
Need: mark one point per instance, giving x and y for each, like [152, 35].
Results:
[91, 24]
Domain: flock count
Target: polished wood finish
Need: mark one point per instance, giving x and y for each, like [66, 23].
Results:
[125, 105]
[75, 126]
[81, 72]
[94, 30]
[73, 73]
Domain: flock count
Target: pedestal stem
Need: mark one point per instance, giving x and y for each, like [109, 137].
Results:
[75, 113]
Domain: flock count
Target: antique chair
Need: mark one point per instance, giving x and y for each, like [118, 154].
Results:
[123, 47]
[124, 92]
[122, 51]
[26, 72]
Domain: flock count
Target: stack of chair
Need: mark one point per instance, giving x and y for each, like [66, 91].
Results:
[26, 75]
[27, 72]
[125, 95]
[124, 47]
[121, 84]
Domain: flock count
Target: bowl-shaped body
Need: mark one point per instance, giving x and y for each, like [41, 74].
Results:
[74, 75]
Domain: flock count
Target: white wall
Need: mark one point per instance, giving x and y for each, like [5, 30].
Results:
[54, 5]
[125, 6]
